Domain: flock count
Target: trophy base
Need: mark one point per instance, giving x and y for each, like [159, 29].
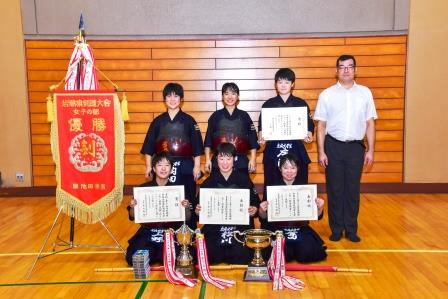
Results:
[256, 273]
[187, 271]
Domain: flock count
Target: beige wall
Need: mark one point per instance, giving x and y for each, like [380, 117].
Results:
[426, 136]
[14, 121]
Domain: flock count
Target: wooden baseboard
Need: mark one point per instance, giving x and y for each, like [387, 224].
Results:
[365, 188]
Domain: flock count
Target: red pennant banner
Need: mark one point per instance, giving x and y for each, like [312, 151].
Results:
[88, 145]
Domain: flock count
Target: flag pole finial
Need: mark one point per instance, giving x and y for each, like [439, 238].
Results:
[82, 33]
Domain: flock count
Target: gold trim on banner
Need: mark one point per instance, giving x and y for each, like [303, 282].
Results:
[50, 114]
[99, 210]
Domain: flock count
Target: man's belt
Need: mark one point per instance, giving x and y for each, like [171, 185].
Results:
[347, 141]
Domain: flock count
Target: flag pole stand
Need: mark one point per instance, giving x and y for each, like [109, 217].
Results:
[59, 242]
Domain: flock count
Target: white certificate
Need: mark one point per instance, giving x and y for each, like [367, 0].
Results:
[159, 204]
[284, 123]
[292, 202]
[224, 206]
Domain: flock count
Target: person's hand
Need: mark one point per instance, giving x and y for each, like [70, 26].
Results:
[185, 203]
[261, 140]
[320, 205]
[196, 172]
[368, 158]
[133, 203]
[252, 166]
[308, 137]
[323, 160]
[208, 165]
[264, 206]
[198, 209]
[148, 172]
[252, 211]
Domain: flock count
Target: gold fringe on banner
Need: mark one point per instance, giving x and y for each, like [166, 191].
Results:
[72, 206]
[50, 108]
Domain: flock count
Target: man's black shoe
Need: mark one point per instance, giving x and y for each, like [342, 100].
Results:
[335, 237]
[354, 238]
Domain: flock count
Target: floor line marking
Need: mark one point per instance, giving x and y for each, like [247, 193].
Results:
[141, 290]
[203, 288]
[23, 284]
[59, 253]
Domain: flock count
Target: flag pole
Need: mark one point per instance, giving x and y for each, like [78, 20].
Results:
[79, 39]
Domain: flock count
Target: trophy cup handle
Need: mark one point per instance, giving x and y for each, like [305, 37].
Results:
[239, 233]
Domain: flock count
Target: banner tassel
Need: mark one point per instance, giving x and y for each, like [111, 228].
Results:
[124, 108]
[50, 114]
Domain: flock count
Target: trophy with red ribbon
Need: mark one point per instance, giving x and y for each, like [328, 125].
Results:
[184, 261]
[256, 239]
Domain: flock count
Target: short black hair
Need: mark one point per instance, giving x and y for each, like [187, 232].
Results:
[344, 58]
[175, 88]
[291, 158]
[160, 157]
[286, 74]
[230, 86]
[225, 149]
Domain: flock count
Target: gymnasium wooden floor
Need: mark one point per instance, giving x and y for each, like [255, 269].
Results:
[404, 242]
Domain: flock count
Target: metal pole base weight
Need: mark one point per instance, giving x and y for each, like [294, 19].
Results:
[254, 273]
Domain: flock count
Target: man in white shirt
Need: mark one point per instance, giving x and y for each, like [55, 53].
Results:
[346, 113]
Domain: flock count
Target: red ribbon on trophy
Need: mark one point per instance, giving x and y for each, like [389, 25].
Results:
[87, 137]
[203, 265]
[175, 277]
[276, 268]
[169, 259]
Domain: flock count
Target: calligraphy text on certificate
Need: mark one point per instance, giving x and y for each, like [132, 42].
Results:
[159, 204]
[291, 203]
[284, 123]
[224, 206]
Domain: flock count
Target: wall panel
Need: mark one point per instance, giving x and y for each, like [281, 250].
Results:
[203, 66]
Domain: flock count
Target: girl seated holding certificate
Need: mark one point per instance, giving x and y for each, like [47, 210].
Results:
[302, 243]
[150, 235]
[221, 246]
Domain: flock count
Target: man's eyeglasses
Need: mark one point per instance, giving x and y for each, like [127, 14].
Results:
[346, 68]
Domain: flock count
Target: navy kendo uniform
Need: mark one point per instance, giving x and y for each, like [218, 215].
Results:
[221, 246]
[302, 243]
[150, 235]
[236, 128]
[182, 140]
[275, 149]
